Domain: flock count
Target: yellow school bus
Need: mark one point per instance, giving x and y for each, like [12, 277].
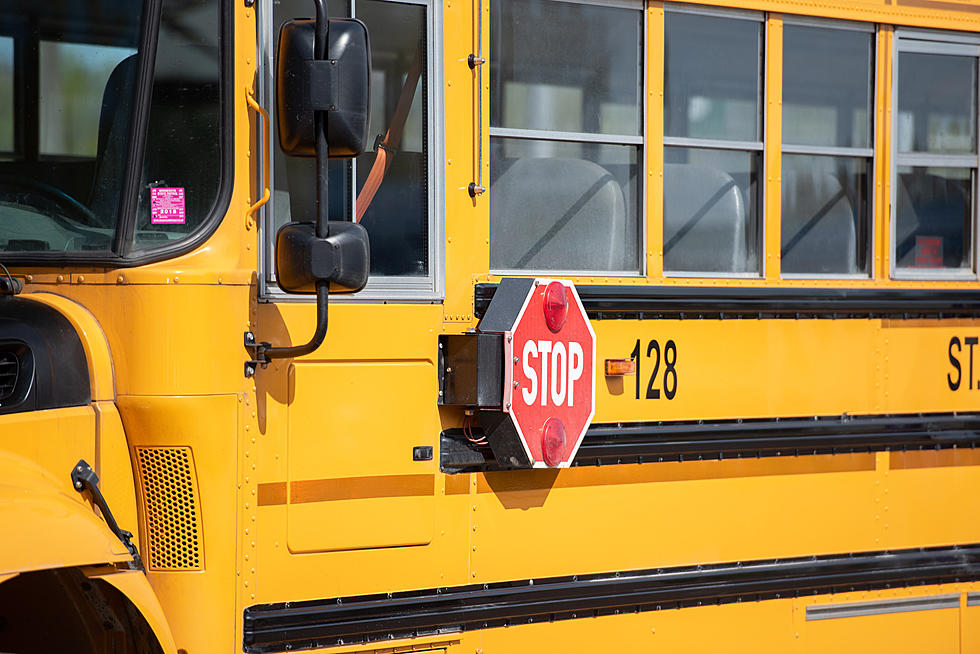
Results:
[252, 377]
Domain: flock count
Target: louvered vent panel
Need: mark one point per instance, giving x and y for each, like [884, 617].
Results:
[9, 366]
[173, 513]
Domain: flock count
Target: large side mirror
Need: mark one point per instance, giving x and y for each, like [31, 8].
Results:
[302, 259]
[322, 102]
[338, 85]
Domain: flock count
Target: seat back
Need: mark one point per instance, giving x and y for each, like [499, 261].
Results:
[817, 224]
[557, 214]
[115, 119]
[931, 206]
[704, 220]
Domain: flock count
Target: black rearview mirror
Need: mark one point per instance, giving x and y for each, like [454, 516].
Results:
[342, 258]
[338, 85]
[322, 103]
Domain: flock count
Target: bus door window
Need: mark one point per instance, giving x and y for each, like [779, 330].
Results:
[6, 97]
[397, 217]
[935, 175]
[182, 159]
[565, 136]
[828, 84]
[712, 142]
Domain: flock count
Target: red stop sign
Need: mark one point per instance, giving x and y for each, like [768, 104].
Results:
[549, 370]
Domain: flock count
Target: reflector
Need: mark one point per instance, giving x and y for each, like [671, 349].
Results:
[620, 367]
[553, 441]
[555, 306]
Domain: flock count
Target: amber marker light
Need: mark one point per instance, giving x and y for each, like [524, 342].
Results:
[620, 367]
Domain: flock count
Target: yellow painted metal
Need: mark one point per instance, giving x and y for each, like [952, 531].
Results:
[364, 474]
[112, 464]
[47, 524]
[97, 353]
[773, 103]
[777, 626]
[654, 222]
[133, 584]
[209, 424]
[306, 479]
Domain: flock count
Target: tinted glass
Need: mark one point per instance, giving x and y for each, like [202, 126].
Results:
[711, 210]
[6, 94]
[547, 73]
[563, 206]
[73, 76]
[60, 190]
[397, 218]
[825, 215]
[933, 213]
[182, 160]
[937, 103]
[713, 77]
[827, 86]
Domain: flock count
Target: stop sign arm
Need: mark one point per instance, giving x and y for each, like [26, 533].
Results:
[528, 377]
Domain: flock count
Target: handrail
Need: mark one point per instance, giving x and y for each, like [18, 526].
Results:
[476, 61]
[250, 99]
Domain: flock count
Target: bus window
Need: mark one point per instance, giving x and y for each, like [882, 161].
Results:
[565, 136]
[65, 153]
[827, 150]
[397, 217]
[712, 143]
[936, 157]
[182, 159]
[72, 77]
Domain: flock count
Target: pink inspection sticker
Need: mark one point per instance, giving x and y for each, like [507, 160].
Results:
[167, 206]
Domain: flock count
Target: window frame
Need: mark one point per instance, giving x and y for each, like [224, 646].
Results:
[870, 153]
[759, 147]
[938, 43]
[430, 288]
[639, 141]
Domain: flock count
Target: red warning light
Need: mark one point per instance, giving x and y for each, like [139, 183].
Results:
[555, 306]
[553, 441]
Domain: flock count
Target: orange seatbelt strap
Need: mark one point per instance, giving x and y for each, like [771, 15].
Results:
[389, 144]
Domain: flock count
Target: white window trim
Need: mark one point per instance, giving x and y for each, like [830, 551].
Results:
[942, 43]
[428, 289]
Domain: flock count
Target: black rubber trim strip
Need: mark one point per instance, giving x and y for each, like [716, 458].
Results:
[225, 185]
[630, 443]
[122, 242]
[335, 621]
[651, 302]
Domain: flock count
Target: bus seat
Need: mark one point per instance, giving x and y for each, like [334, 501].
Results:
[930, 205]
[557, 214]
[819, 236]
[703, 235]
[113, 140]
[180, 149]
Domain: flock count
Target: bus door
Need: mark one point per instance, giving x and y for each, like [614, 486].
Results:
[351, 429]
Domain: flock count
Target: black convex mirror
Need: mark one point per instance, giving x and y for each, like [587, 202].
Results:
[342, 258]
[338, 85]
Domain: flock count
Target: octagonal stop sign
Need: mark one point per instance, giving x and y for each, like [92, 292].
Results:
[548, 373]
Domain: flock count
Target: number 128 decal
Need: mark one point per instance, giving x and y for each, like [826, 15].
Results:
[652, 353]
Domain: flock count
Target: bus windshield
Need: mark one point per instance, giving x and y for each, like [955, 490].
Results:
[69, 99]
